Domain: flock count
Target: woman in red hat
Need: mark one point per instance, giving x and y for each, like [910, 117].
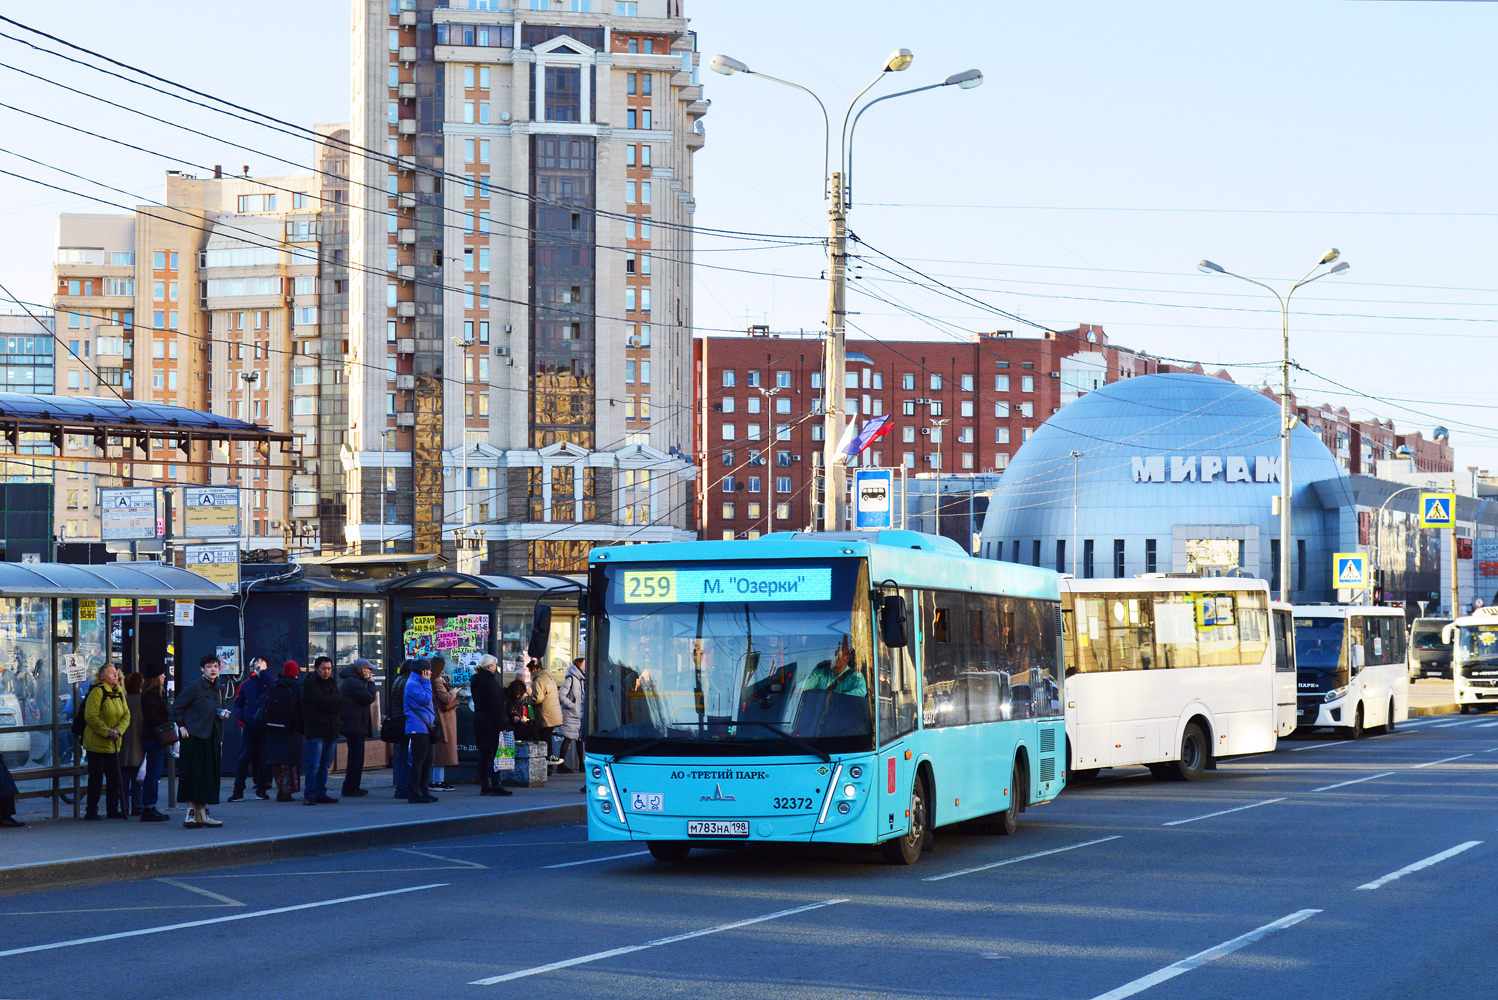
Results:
[281, 713]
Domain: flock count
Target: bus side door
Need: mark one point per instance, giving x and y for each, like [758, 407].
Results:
[898, 728]
[1285, 689]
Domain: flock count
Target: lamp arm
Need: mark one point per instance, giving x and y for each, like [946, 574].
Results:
[826, 122]
[853, 129]
[842, 153]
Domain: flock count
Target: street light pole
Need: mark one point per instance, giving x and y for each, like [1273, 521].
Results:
[1075, 456]
[769, 395]
[936, 426]
[1287, 423]
[834, 359]
[1377, 524]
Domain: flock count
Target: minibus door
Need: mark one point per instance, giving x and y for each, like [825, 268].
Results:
[1284, 674]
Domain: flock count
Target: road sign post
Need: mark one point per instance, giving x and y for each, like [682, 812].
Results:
[1349, 571]
[873, 493]
[218, 563]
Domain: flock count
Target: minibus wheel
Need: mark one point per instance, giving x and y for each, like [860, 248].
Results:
[1193, 760]
[1389, 721]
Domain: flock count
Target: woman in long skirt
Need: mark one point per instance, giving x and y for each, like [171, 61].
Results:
[199, 710]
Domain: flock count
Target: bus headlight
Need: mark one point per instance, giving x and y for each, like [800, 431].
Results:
[843, 808]
[1335, 693]
[855, 771]
[608, 807]
[850, 791]
[597, 772]
[602, 791]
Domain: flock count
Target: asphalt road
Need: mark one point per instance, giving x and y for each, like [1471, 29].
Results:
[1296, 873]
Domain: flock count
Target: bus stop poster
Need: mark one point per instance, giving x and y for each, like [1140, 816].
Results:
[459, 639]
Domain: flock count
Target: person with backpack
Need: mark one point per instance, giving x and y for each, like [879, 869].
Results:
[321, 704]
[358, 690]
[252, 733]
[106, 716]
[200, 710]
[282, 714]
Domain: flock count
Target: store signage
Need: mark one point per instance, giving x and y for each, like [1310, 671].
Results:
[690, 586]
[128, 514]
[210, 512]
[1487, 557]
[1205, 469]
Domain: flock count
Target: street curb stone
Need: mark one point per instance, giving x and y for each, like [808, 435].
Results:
[178, 861]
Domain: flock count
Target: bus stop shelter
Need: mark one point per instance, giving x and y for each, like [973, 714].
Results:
[58, 625]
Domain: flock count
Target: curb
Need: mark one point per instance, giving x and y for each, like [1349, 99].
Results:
[1435, 710]
[178, 861]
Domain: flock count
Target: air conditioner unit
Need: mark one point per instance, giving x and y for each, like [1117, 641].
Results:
[275, 524]
[406, 272]
[407, 18]
[407, 53]
[405, 309]
[925, 431]
[406, 345]
[502, 351]
[405, 420]
[406, 126]
[406, 200]
[405, 381]
[406, 163]
[1055, 374]
[406, 235]
[407, 90]
[795, 458]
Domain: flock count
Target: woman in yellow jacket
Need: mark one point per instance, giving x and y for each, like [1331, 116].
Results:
[106, 718]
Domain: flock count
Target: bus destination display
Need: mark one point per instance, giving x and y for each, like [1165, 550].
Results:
[730, 584]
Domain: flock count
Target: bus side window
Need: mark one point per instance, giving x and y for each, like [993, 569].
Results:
[1357, 644]
[898, 707]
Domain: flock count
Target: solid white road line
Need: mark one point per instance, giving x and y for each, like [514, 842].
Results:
[1224, 812]
[1027, 857]
[1314, 746]
[1203, 957]
[658, 942]
[455, 862]
[1443, 760]
[589, 861]
[1488, 725]
[1354, 781]
[1432, 860]
[202, 892]
[141, 932]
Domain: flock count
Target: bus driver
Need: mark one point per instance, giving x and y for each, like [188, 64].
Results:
[840, 675]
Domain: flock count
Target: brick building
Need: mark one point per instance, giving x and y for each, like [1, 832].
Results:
[1360, 445]
[958, 406]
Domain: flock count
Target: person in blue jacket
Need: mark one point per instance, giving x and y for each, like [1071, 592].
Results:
[420, 718]
[252, 731]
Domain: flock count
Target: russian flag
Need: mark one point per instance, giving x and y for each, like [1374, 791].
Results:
[855, 442]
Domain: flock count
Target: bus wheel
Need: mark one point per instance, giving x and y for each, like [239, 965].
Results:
[1389, 721]
[1193, 760]
[906, 850]
[1466, 709]
[1008, 820]
[1355, 731]
[669, 850]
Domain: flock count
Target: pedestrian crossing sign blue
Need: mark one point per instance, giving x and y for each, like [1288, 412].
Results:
[1351, 571]
[1438, 510]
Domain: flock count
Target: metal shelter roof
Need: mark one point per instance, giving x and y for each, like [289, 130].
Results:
[479, 586]
[20, 411]
[117, 580]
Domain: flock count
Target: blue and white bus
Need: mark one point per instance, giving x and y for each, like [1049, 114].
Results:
[853, 688]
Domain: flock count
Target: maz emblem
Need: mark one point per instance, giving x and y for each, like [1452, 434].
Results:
[718, 795]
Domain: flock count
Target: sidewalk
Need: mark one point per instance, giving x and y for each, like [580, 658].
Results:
[53, 853]
[1432, 696]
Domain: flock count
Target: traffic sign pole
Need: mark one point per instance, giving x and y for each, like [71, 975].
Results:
[1456, 603]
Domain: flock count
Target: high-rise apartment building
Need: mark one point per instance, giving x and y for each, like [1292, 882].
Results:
[231, 296]
[520, 316]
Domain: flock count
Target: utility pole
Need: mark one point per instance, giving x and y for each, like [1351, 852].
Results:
[835, 366]
[769, 395]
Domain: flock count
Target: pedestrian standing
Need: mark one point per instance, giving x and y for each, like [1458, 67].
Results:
[548, 716]
[322, 703]
[571, 695]
[105, 719]
[200, 710]
[420, 719]
[251, 764]
[132, 753]
[394, 732]
[356, 684]
[157, 732]
[445, 744]
[281, 711]
[491, 716]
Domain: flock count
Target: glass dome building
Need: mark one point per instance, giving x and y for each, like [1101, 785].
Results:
[1170, 473]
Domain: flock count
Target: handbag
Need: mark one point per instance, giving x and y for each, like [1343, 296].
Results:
[504, 756]
[166, 733]
[392, 731]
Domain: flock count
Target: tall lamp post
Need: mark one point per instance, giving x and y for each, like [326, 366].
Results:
[1076, 456]
[936, 426]
[1287, 423]
[834, 364]
[1377, 524]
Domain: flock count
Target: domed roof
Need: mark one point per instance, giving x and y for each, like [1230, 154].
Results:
[1168, 448]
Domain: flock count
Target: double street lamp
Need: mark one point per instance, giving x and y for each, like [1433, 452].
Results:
[1287, 422]
[837, 192]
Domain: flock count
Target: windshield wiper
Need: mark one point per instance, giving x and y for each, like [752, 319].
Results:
[810, 748]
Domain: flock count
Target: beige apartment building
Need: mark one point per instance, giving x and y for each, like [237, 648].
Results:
[521, 308]
[231, 298]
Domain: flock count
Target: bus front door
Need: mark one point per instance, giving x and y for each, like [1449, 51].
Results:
[1285, 688]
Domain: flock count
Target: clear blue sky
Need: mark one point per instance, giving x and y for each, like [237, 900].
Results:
[1111, 147]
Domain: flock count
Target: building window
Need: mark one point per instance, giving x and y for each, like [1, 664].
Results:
[1118, 558]
[782, 484]
[754, 484]
[728, 512]
[728, 432]
[1027, 383]
[1149, 556]
[783, 380]
[728, 378]
[935, 382]
[1001, 383]
[564, 86]
[1087, 559]
[966, 408]
[967, 383]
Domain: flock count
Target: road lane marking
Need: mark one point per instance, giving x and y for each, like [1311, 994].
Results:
[455, 862]
[1315, 746]
[1027, 857]
[1224, 812]
[1443, 760]
[1409, 869]
[1488, 725]
[1450, 725]
[658, 942]
[1203, 957]
[141, 932]
[201, 892]
[1354, 781]
[589, 861]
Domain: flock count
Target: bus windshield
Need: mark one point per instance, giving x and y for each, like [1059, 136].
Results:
[750, 658]
[1318, 643]
[1478, 644]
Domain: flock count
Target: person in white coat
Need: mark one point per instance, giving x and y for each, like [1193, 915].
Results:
[571, 694]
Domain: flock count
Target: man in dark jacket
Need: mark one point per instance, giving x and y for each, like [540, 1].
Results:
[491, 716]
[252, 731]
[400, 763]
[321, 706]
[358, 692]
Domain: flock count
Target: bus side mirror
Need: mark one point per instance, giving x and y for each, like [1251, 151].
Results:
[1448, 634]
[892, 622]
[1357, 657]
[540, 632]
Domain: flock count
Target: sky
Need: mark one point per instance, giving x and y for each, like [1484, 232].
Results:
[1110, 148]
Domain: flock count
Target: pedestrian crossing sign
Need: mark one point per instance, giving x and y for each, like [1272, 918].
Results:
[1351, 570]
[1438, 510]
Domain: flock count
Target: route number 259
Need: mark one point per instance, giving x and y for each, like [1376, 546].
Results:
[653, 587]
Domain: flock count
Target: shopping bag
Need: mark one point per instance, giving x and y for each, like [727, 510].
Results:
[504, 757]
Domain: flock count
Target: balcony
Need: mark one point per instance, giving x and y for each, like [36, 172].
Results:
[407, 53]
[405, 420]
[407, 126]
[405, 310]
[406, 199]
[406, 272]
[406, 345]
[405, 381]
[406, 236]
[407, 91]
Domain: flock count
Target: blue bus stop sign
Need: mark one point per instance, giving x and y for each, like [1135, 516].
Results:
[873, 493]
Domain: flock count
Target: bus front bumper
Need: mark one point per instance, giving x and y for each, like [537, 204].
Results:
[1476, 691]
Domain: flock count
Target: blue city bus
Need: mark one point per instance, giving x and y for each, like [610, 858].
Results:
[851, 688]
